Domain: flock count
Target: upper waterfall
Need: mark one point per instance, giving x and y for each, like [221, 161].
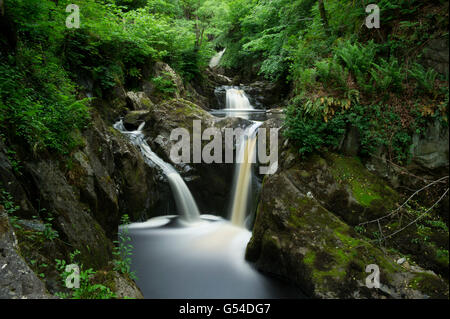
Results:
[184, 200]
[236, 99]
[216, 59]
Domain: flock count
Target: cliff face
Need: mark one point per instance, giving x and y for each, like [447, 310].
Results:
[82, 197]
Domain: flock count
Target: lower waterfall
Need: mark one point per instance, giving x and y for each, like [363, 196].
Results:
[183, 198]
[243, 176]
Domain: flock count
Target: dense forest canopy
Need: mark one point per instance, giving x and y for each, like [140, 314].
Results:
[339, 71]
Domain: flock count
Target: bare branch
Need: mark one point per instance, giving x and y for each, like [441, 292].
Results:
[401, 206]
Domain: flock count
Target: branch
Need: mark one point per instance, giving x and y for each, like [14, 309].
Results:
[420, 217]
[401, 206]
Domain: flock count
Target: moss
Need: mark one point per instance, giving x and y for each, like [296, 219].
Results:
[304, 174]
[106, 278]
[429, 284]
[300, 205]
[365, 187]
[442, 257]
[309, 258]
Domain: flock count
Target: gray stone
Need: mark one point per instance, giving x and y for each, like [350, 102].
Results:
[431, 150]
[17, 280]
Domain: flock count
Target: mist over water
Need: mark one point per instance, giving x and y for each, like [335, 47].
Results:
[201, 261]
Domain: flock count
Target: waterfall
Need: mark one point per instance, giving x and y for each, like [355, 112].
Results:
[183, 198]
[237, 100]
[216, 59]
[243, 176]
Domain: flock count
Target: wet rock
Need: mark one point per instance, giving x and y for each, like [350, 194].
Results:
[436, 54]
[126, 288]
[431, 150]
[265, 95]
[72, 219]
[401, 260]
[120, 284]
[138, 101]
[17, 280]
[296, 238]
[351, 142]
[10, 183]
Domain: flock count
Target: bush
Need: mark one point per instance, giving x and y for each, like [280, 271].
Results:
[41, 112]
[425, 79]
[310, 132]
[388, 75]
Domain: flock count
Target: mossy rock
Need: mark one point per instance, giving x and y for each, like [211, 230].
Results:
[295, 237]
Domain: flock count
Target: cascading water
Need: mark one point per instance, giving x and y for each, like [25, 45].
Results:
[183, 198]
[216, 59]
[243, 176]
[237, 100]
[205, 259]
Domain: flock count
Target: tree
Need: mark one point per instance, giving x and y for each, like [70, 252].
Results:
[323, 15]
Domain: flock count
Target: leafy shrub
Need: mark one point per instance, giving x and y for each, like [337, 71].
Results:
[425, 79]
[123, 250]
[357, 58]
[387, 75]
[88, 289]
[36, 110]
[332, 74]
[310, 132]
[164, 84]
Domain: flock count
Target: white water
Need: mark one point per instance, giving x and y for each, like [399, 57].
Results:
[216, 59]
[243, 176]
[184, 200]
[237, 100]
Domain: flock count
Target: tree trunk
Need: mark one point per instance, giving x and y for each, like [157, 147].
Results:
[323, 15]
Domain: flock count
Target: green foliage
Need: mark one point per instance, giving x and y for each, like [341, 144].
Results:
[7, 201]
[425, 79]
[39, 112]
[115, 43]
[88, 289]
[310, 132]
[356, 57]
[388, 76]
[123, 250]
[164, 84]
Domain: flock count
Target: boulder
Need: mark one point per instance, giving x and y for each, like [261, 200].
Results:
[138, 101]
[436, 54]
[431, 150]
[120, 284]
[17, 280]
[298, 239]
[10, 183]
[73, 220]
